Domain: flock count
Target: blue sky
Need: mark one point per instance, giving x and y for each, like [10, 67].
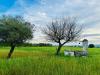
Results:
[41, 12]
[5, 5]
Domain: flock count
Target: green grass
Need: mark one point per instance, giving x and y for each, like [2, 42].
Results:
[42, 61]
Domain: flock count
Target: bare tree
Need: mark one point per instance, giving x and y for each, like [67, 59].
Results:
[62, 31]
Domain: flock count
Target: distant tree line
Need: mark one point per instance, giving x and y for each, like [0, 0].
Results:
[3, 44]
[34, 45]
[43, 44]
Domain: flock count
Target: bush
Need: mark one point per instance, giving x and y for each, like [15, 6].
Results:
[91, 45]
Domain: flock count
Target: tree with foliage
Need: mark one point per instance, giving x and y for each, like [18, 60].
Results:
[15, 30]
[62, 31]
[91, 45]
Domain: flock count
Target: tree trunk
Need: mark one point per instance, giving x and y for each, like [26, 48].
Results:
[11, 51]
[58, 50]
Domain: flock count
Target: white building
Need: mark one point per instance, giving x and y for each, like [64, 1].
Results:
[84, 52]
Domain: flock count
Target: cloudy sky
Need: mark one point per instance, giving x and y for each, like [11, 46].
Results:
[41, 12]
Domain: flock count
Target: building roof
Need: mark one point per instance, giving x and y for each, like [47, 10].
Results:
[84, 40]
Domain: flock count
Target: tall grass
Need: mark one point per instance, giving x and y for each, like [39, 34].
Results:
[37, 62]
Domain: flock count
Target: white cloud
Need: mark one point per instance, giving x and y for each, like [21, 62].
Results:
[88, 12]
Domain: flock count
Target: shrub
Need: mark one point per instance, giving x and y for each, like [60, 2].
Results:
[91, 45]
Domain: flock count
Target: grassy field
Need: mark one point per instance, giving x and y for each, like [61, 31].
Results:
[42, 61]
